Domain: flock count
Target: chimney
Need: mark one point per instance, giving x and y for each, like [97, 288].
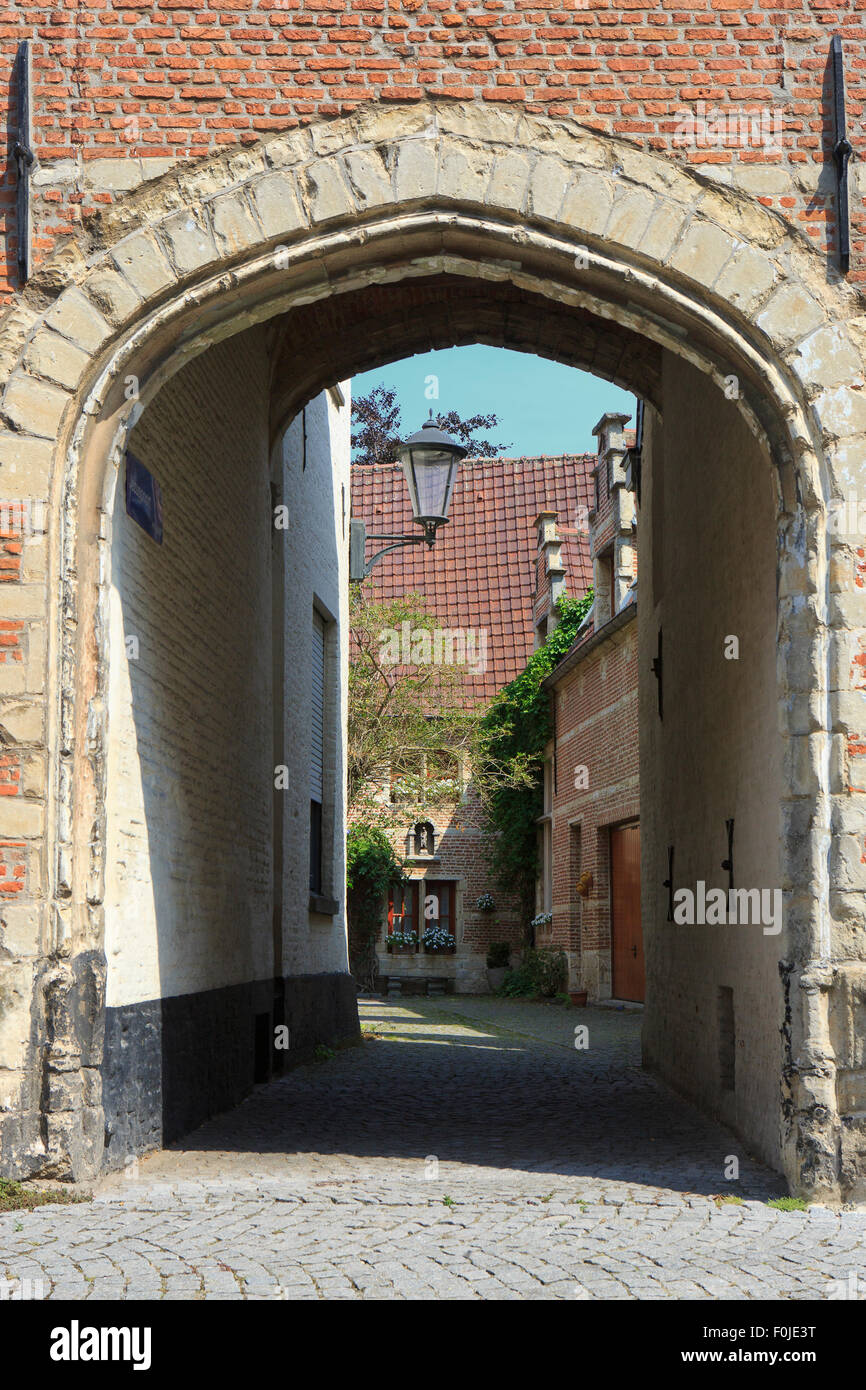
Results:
[613, 520]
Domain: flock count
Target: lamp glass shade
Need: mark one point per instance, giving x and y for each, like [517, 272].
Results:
[429, 460]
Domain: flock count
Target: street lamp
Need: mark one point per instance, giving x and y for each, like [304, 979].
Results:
[429, 460]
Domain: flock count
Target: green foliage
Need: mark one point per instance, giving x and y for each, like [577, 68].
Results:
[14, 1196]
[510, 754]
[541, 973]
[377, 429]
[371, 865]
[788, 1204]
[498, 954]
[412, 720]
[519, 984]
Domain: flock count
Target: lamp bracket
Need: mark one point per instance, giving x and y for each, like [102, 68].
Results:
[359, 568]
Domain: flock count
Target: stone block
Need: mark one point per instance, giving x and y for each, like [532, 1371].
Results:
[369, 179]
[790, 314]
[34, 406]
[747, 279]
[324, 193]
[278, 208]
[15, 1004]
[113, 175]
[21, 816]
[509, 180]
[112, 294]
[145, 265]
[664, 227]
[587, 204]
[57, 359]
[22, 601]
[703, 252]
[22, 720]
[75, 317]
[21, 928]
[26, 464]
[547, 185]
[629, 218]
[189, 241]
[414, 170]
[234, 226]
[464, 172]
[827, 358]
[840, 411]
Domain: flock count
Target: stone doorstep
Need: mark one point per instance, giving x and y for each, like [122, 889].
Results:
[628, 1005]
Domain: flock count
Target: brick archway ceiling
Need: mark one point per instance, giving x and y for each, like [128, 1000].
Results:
[342, 334]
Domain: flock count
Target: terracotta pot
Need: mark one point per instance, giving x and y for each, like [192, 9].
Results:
[578, 997]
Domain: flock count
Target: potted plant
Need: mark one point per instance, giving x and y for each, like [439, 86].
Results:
[485, 903]
[401, 943]
[578, 997]
[438, 941]
[498, 963]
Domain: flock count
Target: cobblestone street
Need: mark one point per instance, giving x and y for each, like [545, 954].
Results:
[465, 1149]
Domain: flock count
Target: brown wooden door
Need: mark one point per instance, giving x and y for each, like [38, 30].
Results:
[626, 934]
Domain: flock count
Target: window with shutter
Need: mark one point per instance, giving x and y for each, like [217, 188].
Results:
[317, 753]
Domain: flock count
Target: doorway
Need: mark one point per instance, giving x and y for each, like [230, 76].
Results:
[626, 934]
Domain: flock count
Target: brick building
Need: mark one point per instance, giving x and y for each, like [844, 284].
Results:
[483, 581]
[590, 859]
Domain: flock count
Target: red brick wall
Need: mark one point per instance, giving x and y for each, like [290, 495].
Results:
[180, 80]
[597, 727]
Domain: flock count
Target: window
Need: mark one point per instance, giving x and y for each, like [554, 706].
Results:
[317, 754]
[407, 777]
[423, 903]
[576, 897]
[422, 778]
[606, 587]
[547, 861]
[402, 908]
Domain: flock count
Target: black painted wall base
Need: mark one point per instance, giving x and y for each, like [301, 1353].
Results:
[169, 1064]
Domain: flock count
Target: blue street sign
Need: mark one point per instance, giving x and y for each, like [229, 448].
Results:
[143, 497]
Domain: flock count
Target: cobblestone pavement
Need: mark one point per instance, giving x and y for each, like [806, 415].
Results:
[473, 1153]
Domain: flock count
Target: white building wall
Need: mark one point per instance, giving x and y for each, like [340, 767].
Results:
[315, 458]
[212, 938]
[189, 867]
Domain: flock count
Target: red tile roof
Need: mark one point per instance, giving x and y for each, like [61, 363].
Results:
[481, 572]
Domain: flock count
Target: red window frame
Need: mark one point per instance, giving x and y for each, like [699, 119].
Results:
[416, 892]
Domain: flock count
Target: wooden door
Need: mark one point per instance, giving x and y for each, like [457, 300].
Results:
[626, 934]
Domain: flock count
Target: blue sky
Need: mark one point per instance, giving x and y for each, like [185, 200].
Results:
[543, 407]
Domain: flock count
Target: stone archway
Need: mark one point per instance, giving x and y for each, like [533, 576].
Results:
[645, 253]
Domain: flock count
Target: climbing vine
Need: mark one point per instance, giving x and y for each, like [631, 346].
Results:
[371, 865]
[511, 741]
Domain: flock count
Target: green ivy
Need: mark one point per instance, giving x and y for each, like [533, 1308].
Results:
[371, 866]
[513, 735]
